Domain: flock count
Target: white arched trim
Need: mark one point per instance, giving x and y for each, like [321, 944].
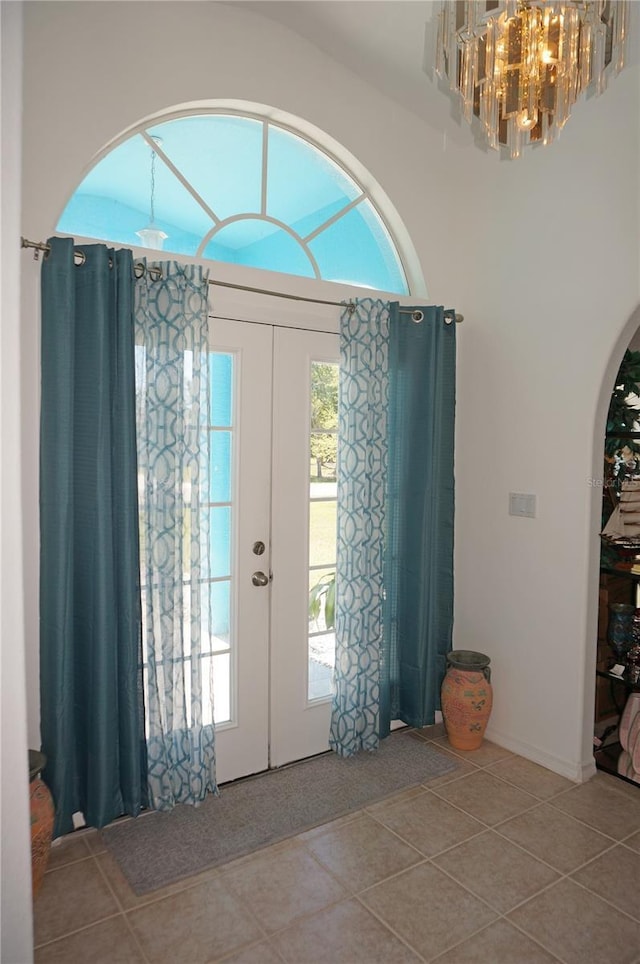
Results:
[343, 158]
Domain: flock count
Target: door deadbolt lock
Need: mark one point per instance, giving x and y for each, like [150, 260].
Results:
[258, 548]
[260, 579]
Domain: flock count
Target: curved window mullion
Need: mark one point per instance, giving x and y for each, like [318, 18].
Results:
[265, 168]
[176, 173]
[268, 220]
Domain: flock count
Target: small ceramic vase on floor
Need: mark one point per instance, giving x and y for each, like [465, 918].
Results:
[466, 698]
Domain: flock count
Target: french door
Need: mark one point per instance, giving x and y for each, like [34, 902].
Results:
[273, 441]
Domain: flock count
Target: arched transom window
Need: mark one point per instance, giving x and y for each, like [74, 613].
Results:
[239, 189]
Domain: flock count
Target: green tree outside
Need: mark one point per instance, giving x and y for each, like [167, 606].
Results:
[324, 417]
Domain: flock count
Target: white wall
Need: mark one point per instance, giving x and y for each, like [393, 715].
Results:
[16, 857]
[540, 255]
[553, 286]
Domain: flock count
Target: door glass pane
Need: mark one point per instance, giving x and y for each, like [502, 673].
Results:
[322, 532]
[221, 635]
[323, 434]
[220, 541]
[220, 598]
[220, 472]
[221, 376]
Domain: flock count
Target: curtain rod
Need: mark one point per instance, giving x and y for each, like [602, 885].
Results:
[416, 314]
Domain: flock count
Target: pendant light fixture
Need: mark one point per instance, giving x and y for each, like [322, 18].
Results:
[519, 66]
[152, 236]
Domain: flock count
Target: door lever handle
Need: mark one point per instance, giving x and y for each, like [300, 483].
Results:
[260, 579]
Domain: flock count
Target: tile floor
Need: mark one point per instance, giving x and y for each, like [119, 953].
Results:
[499, 862]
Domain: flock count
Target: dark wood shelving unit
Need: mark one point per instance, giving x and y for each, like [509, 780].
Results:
[611, 697]
[618, 584]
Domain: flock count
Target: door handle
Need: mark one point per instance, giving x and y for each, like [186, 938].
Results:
[260, 579]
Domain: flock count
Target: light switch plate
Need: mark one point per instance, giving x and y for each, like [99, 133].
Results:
[522, 504]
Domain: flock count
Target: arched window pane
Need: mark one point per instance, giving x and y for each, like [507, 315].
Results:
[261, 204]
[113, 202]
[357, 249]
[304, 187]
[259, 244]
[221, 157]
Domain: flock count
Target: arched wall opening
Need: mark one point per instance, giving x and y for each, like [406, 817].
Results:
[608, 380]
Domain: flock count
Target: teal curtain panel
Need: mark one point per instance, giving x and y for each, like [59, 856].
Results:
[418, 565]
[179, 529]
[92, 714]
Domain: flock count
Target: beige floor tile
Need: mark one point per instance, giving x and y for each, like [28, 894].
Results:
[578, 927]
[496, 870]
[428, 823]
[281, 887]
[616, 877]
[486, 753]
[391, 801]
[463, 767]
[331, 825]
[71, 897]
[555, 837]
[622, 786]
[362, 852]
[499, 943]
[95, 842]
[271, 849]
[127, 897]
[486, 798]
[602, 805]
[110, 942]
[344, 934]
[67, 850]
[539, 781]
[262, 953]
[633, 841]
[196, 925]
[428, 909]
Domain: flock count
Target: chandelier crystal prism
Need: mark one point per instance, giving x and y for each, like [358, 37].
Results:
[519, 66]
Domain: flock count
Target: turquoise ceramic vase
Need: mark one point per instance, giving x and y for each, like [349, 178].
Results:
[620, 629]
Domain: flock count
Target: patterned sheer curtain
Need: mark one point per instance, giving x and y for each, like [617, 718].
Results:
[172, 392]
[362, 476]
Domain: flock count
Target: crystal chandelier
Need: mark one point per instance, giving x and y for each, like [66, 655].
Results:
[520, 65]
[152, 236]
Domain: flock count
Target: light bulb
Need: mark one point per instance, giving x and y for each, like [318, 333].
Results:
[525, 120]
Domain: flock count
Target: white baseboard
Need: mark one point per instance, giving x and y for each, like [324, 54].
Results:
[578, 772]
